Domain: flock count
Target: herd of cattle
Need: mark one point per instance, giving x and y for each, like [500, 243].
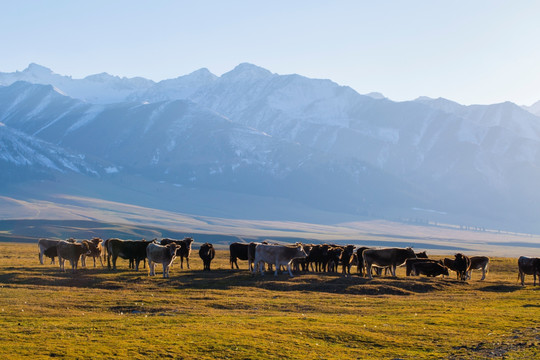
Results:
[298, 257]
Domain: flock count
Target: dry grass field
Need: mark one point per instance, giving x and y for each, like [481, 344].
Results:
[230, 314]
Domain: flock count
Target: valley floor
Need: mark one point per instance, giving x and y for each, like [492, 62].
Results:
[230, 314]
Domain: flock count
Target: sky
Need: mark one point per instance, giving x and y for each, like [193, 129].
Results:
[472, 52]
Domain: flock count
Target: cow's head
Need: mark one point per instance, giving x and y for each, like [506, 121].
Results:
[300, 253]
[172, 249]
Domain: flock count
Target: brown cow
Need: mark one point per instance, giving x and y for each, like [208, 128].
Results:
[391, 257]
[462, 263]
[96, 248]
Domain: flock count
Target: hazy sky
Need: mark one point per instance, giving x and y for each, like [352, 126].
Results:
[468, 51]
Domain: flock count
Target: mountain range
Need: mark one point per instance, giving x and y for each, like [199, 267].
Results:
[251, 132]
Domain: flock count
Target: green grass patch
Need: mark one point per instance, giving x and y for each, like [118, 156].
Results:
[230, 314]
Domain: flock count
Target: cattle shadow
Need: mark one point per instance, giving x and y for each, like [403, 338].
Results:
[225, 279]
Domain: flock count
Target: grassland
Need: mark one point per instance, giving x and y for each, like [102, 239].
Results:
[229, 314]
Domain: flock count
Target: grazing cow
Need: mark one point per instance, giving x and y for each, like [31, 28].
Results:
[528, 266]
[161, 254]
[207, 253]
[184, 251]
[429, 268]
[347, 257]
[70, 251]
[238, 251]
[277, 255]
[134, 251]
[43, 245]
[479, 263]
[409, 263]
[96, 249]
[462, 263]
[391, 257]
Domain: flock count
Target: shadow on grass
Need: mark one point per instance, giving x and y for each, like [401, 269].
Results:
[501, 288]
[223, 279]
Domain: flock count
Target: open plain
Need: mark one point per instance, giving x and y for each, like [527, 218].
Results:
[224, 313]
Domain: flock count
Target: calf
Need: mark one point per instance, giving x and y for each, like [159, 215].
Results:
[207, 253]
[429, 268]
[43, 245]
[478, 263]
[72, 252]
[528, 266]
[95, 251]
[391, 257]
[161, 254]
[277, 255]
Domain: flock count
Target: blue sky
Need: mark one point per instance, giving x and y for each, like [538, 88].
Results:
[472, 52]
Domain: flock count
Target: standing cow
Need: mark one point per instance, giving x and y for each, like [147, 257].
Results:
[391, 257]
[479, 263]
[462, 263]
[96, 248]
[528, 266]
[70, 251]
[207, 253]
[184, 249]
[161, 254]
[277, 255]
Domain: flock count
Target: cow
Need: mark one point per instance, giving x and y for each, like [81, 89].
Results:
[207, 253]
[43, 245]
[421, 255]
[409, 263]
[360, 260]
[238, 251]
[51, 253]
[391, 257]
[333, 257]
[347, 257]
[462, 263]
[302, 262]
[479, 263]
[96, 249]
[528, 266]
[70, 251]
[161, 254]
[429, 268]
[131, 250]
[184, 251]
[277, 255]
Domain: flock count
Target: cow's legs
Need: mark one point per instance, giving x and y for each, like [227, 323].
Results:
[368, 271]
[41, 257]
[289, 268]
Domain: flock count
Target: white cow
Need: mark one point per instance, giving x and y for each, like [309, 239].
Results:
[162, 254]
[43, 245]
[276, 255]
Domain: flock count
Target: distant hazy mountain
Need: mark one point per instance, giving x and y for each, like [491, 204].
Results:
[253, 131]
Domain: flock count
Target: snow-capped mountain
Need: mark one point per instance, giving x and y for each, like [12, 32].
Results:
[98, 89]
[24, 157]
[251, 130]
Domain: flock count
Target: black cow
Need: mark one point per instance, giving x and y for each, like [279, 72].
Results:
[347, 257]
[131, 250]
[528, 266]
[429, 268]
[238, 251]
[462, 263]
[207, 253]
